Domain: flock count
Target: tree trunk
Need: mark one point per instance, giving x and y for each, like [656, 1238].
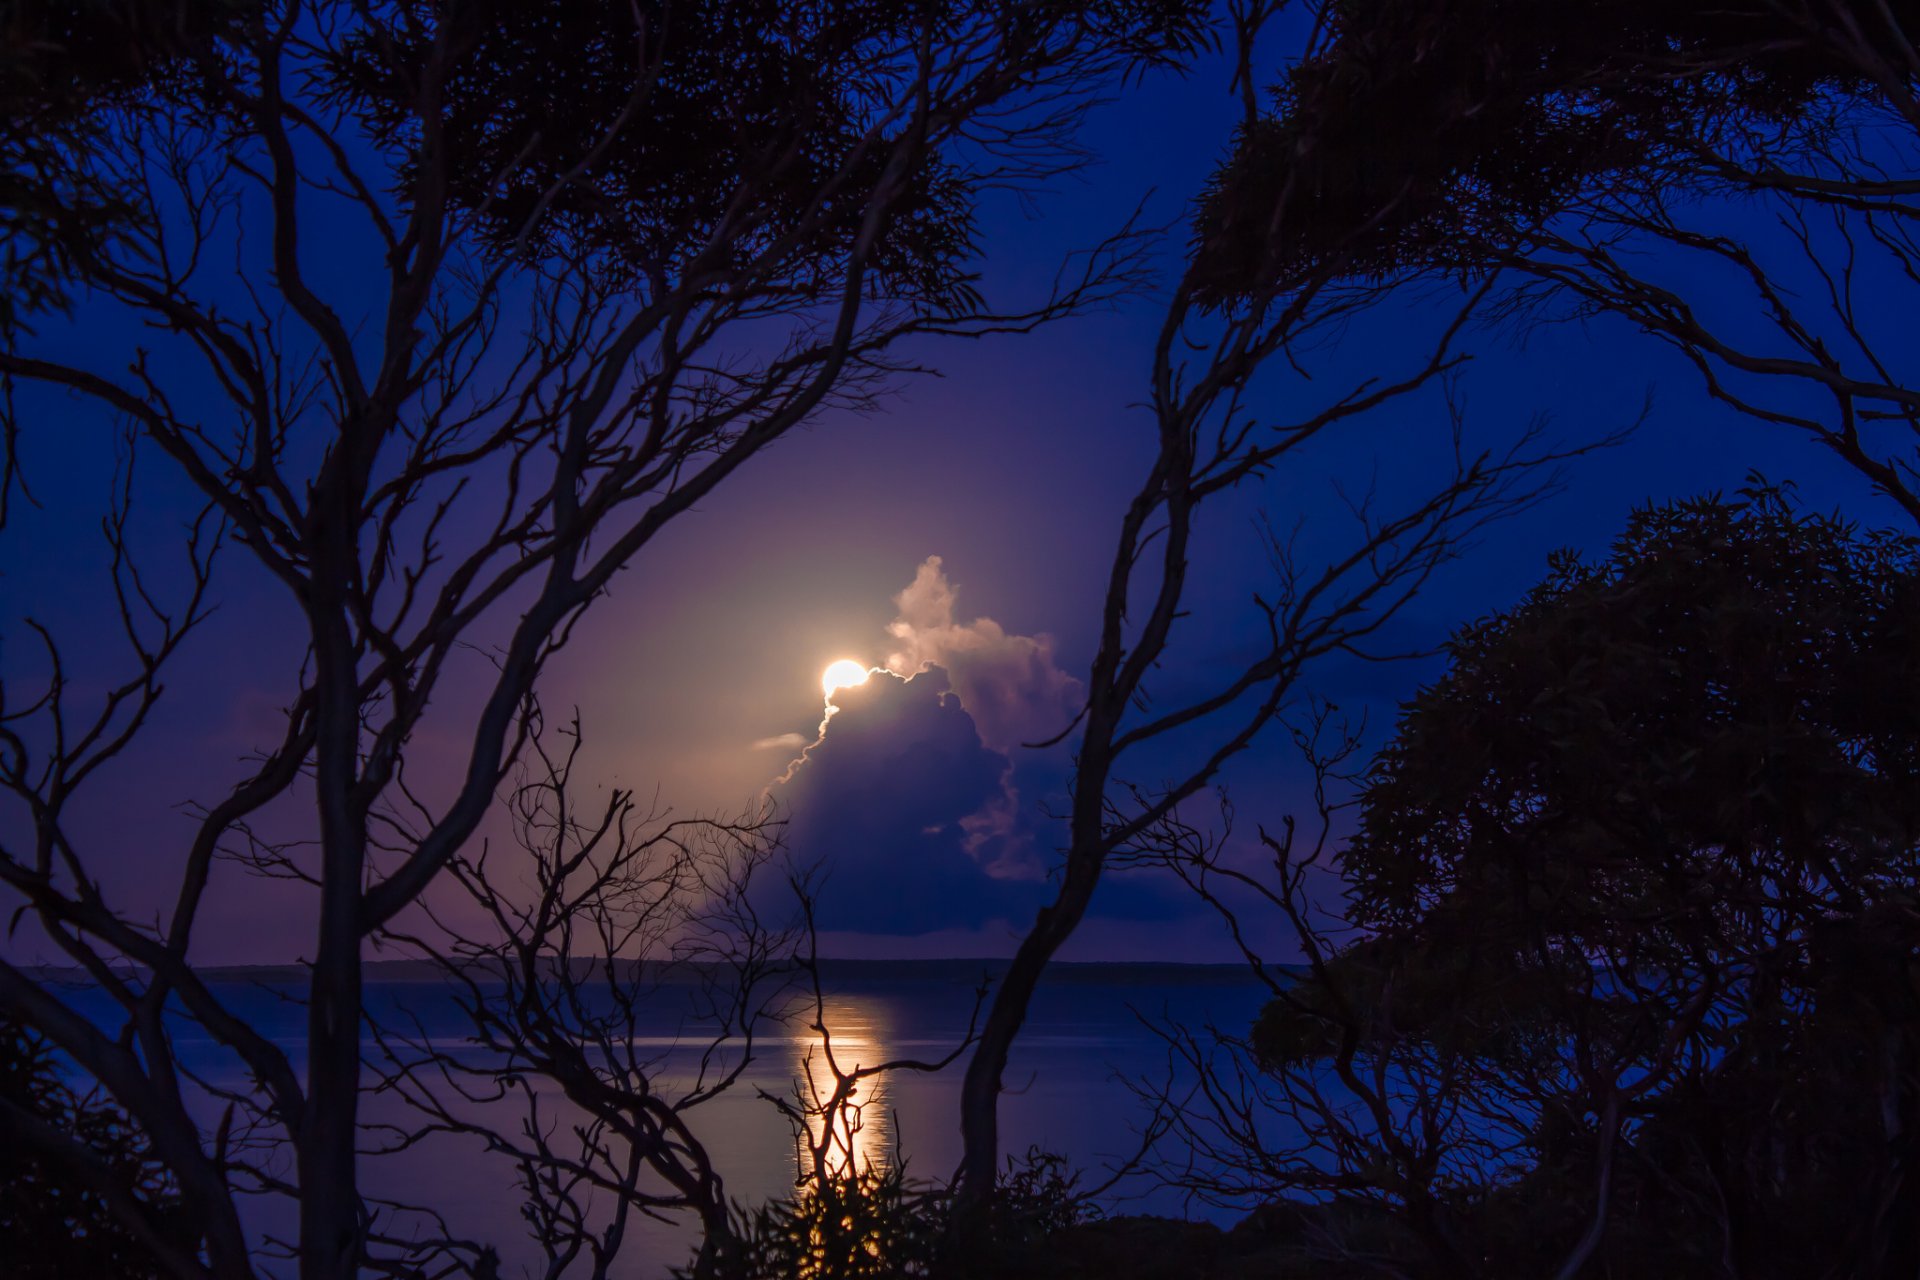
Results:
[330, 1225]
[980, 1091]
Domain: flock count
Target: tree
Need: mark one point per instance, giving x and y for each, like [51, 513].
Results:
[518, 354]
[1716, 766]
[1734, 180]
[1635, 886]
[635, 918]
[630, 913]
[1217, 364]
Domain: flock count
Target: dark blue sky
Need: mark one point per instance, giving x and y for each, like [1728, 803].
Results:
[698, 677]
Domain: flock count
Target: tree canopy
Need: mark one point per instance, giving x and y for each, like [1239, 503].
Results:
[1418, 135]
[1638, 879]
[64, 66]
[1730, 693]
[539, 101]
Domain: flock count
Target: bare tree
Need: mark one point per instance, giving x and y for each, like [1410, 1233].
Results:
[629, 989]
[635, 920]
[568, 337]
[827, 1105]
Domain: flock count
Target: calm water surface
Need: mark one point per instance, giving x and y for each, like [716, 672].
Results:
[1068, 1084]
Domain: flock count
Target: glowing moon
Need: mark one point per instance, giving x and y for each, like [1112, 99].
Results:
[841, 674]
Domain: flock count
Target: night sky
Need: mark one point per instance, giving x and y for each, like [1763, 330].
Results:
[957, 539]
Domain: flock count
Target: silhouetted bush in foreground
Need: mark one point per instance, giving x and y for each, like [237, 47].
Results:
[59, 1222]
[880, 1223]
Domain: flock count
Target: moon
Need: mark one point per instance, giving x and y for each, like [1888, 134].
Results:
[839, 675]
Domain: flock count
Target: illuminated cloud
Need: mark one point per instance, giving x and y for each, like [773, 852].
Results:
[888, 804]
[1009, 684]
[781, 742]
[915, 801]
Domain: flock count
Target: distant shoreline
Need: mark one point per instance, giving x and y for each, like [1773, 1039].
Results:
[955, 970]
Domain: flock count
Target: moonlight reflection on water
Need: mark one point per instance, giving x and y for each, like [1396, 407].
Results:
[849, 1125]
[1066, 1088]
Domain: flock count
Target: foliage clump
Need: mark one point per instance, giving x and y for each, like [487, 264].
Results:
[880, 1224]
[1730, 696]
[1638, 879]
[66, 66]
[1419, 134]
[790, 96]
[538, 109]
[61, 1222]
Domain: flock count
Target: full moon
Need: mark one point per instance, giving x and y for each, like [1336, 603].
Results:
[841, 674]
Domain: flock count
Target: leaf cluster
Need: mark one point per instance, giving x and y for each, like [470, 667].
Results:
[65, 66]
[1730, 696]
[1417, 135]
[878, 1223]
[55, 1225]
[647, 115]
[684, 139]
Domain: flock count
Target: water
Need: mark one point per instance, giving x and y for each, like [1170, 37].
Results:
[1070, 1085]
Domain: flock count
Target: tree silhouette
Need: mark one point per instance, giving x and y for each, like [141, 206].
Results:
[463, 368]
[1734, 180]
[1636, 885]
[106, 1207]
[1232, 403]
[64, 67]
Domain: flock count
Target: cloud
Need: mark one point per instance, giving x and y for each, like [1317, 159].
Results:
[782, 742]
[885, 803]
[915, 801]
[1009, 684]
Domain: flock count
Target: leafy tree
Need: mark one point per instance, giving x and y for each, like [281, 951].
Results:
[65, 67]
[1733, 682]
[1634, 887]
[1414, 133]
[1667, 812]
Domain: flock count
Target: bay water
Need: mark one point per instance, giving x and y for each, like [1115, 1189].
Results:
[1073, 1085]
